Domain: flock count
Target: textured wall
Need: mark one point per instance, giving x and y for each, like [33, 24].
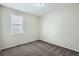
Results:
[0, 29]
[31, 28]
[61, 27]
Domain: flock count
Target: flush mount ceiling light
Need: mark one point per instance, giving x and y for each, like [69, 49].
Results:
[39, 4]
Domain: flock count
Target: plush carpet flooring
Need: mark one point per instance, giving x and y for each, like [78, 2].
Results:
[38, 48]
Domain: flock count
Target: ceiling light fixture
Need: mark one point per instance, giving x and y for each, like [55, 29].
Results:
[39, 4]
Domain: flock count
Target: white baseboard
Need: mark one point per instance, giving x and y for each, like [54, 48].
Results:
[17, 44]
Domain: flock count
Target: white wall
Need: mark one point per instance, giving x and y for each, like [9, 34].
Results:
[31, 29]
[0, 29]
[61, 27]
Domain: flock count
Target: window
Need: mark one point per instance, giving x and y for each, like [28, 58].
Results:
[16, 24]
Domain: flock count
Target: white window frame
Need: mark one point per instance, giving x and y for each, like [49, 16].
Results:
[16, 24]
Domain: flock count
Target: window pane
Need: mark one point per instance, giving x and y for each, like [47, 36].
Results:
[16, 29]
[16, 24]
[15, 19]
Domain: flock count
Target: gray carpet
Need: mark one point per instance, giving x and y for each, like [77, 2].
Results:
[38, 48]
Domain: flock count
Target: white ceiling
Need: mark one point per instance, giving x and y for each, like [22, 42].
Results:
[37, 11]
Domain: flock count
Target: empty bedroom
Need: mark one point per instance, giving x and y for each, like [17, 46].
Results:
[39, 29]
